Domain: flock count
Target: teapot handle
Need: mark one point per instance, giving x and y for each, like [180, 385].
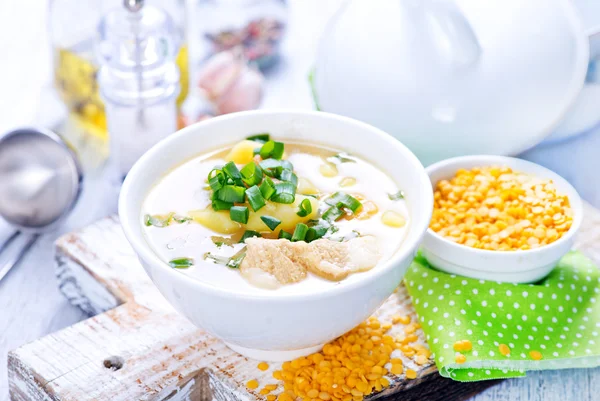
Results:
[452, 32]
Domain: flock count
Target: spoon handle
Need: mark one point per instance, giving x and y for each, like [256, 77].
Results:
[10, 239]
[10, 263]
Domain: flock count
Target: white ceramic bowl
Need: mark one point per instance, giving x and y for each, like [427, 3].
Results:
[509, 266]
[271, 326]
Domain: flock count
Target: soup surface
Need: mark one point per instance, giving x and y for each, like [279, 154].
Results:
[336, 210]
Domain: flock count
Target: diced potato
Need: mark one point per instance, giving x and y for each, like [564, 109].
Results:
[305, 187]
[219, 222]
[284, 212]
[393, 219]
[328, 170]
[243, 152]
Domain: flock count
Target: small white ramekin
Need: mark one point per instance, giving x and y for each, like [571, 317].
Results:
[525, 266]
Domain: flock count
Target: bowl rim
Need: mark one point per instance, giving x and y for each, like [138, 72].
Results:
[459, 161]
[405, 250]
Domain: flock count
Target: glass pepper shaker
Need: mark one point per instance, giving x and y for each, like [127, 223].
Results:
[139, 81]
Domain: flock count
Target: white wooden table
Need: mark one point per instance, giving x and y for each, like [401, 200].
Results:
[31, 306]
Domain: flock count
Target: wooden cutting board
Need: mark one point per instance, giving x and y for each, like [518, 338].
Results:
[136, 347]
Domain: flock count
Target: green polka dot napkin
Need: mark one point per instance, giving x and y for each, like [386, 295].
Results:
[558, 317]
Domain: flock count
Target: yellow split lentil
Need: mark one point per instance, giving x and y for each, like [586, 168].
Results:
[496, 208]
[263, 366]
[535, 355]
[352, 366]
[460, 358]
[504, 349]
[252, 384]
[463, 345]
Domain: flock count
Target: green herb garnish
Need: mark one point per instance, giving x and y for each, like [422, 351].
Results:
[285, 192]
[284, 235]
[232, 172]
[252, 174]
[236, 260]
[220, 241]
[272, 149]
[267, 188]
[259, 137]
[249, 234]
[341, 157]
[231, 193]
[333, 214]
[239, 214]
[216, 179]
[271, 222]
[220, 205]
[255, 198]
[271, 167]
[305, 208]
[181, 263]
[397, 196]
[341, 199]
[157, 220]
[299, 232]
[233, 261]
[181, 219]
[289, 176]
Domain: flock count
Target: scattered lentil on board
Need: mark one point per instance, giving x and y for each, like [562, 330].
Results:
[351, 366]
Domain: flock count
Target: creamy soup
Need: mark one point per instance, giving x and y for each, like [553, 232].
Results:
[281, 217]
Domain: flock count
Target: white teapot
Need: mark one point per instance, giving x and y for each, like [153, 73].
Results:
[446, 78]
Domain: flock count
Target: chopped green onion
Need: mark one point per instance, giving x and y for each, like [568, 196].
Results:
[332, 214]
[271, 222]
[157, 221]
[252, 174]
[255, 151]
[341, 158]
[220, 241]
[305, 208]
[315, 233]
[284, 235]
[286, 164]
[236, 260]
[181, 219]
[217, 180]
[255, 198]
[267, 188]
[271, 167]
[220, 205]
[231, 193]
[239, 214]
[289, 176]
[249, 234]
[181, 263]
[259, 137]
[341, 199]
[233, 262]
[232, 172]
[299, 232]
[397, 196]
[272, 149]
[285, 192]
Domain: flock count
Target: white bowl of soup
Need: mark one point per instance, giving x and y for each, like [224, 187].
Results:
[276, 231]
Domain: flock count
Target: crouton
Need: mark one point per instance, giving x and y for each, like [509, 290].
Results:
[277, 257]
[288, 261]
[334, 260]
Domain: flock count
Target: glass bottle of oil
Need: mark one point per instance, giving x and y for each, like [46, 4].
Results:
[73, 29]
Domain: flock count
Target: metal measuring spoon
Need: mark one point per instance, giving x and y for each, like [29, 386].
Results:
[40, 182]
